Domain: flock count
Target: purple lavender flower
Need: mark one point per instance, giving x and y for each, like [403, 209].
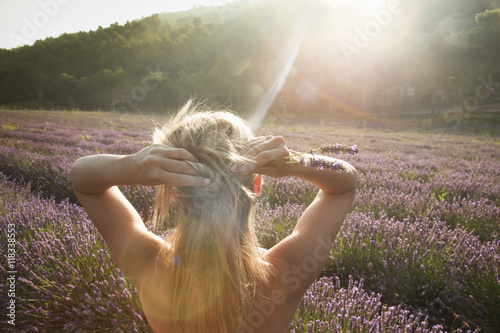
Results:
[422, 203]
[338, 149]
[322, 164]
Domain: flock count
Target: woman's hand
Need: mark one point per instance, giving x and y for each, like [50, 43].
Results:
[262, 151]
[159, 164]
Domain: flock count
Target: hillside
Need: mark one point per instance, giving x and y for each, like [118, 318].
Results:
[218, 14]
[314, 58]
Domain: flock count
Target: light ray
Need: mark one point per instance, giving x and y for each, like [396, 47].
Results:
[292, 50]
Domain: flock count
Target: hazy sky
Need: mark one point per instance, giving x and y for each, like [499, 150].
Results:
[24, 21]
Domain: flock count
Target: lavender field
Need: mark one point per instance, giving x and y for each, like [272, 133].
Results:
[419, 252]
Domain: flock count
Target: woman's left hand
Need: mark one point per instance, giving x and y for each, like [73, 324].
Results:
[264, 150]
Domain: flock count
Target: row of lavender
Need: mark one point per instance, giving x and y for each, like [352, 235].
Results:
[425, 228]
[423, 233]
[68, 281]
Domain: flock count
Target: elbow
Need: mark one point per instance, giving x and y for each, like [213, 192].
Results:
[352, 182]
[74, 174]
[354, 175]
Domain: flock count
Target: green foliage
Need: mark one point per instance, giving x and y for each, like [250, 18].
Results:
[489, 19]
[230, 55]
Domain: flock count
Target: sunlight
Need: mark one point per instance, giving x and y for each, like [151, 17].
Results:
[350, 33]
[291, 52]
[360, 6]
[370, 5]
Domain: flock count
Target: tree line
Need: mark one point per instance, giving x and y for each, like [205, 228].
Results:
[407, 56]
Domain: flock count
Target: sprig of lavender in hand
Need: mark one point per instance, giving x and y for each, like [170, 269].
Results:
[337, 149]
[322, 164]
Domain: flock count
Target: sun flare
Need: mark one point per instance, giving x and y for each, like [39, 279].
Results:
[359, 6]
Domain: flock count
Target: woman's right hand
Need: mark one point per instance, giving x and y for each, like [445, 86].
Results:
[262, 151]
[160, 164]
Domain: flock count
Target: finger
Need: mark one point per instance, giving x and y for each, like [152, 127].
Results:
[252, 143]
[185, 180]
[173, 159]
[245, 147]
[265, 157]
[179, 167]
[258, 139]
[178, 154]
[267, 144]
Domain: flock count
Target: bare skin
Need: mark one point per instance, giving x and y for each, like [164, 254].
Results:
[296, 261]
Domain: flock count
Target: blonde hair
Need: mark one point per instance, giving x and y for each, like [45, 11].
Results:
[212, 268]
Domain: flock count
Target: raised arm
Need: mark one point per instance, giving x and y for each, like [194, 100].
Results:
[302, 255]
[94, 181]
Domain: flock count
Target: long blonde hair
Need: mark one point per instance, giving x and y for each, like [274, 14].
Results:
[212, 266]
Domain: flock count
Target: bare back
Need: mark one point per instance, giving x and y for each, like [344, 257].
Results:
[295, 263]
[273, 312]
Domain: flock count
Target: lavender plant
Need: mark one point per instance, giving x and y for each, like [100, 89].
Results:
[67, 280]
[424, 226]
[328, 307]
[423, 262]
[320, 163]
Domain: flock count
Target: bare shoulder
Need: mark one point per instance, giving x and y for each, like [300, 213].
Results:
[272, 309]
[297, 261]
[301, 256]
